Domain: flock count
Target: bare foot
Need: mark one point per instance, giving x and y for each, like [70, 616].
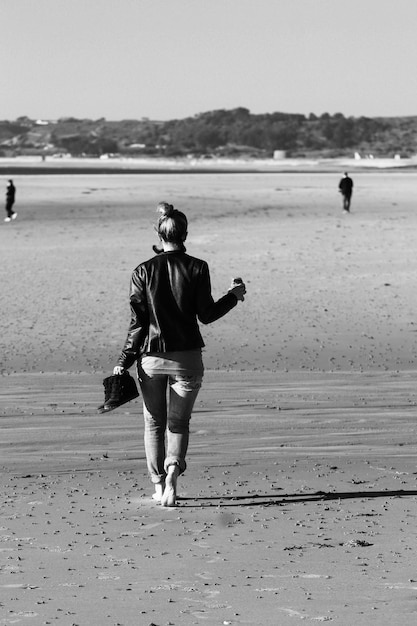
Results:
[170, 493]
[159, 490]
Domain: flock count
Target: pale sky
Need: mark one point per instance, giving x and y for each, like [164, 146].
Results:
[166, 59]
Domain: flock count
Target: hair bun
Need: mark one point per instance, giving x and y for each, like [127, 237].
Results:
[166, 209]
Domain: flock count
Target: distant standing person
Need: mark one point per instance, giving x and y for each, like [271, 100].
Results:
[346, 188]
[10, 200]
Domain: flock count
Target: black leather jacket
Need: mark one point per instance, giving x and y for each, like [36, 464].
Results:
[167, 295]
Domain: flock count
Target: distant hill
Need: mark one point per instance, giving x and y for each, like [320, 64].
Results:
[218, 133]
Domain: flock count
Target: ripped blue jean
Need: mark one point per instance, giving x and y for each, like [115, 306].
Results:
[168, 400]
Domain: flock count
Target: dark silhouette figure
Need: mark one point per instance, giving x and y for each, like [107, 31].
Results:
[346, 188]
[10, 200]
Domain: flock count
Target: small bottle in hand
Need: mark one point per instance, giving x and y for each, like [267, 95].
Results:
[238, 288]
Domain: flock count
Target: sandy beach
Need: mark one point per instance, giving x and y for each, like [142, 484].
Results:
[300, 498]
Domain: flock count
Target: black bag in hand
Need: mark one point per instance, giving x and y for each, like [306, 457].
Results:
[118, 389]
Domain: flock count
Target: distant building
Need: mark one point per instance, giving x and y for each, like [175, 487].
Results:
[280, 154]
[136, 146]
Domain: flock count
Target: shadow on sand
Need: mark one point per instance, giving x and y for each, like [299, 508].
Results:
[274, 500]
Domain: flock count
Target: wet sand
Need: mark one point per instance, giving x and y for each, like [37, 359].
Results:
[299, 501]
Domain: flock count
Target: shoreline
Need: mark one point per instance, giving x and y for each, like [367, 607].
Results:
[117, 166]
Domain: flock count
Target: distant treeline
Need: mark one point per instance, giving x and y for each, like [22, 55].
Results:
[218, 133]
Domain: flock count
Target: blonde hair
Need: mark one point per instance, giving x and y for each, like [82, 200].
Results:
[172, 224]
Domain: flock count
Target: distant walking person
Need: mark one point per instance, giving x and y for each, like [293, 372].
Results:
[346, 188]
[10, 200]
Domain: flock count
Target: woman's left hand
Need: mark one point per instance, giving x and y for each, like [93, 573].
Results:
[238, 289]
[118, 370]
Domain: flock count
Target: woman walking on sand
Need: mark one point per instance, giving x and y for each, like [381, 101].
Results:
[168, 294]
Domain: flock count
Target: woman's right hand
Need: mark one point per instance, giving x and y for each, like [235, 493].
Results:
[118, 370]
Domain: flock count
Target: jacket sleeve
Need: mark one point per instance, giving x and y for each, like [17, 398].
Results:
[139, 321]
[207, 309]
